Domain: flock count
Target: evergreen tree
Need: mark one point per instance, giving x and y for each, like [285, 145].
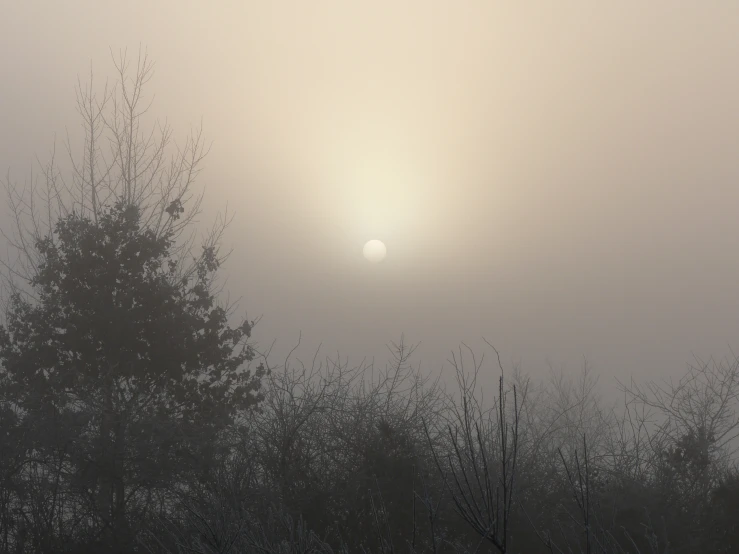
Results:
[120, 366]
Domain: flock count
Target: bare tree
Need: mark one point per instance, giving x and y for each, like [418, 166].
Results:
[120, 160]
[693, 425]
[481, 461]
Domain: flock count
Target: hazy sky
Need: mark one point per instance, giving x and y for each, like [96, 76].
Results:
[561, 178]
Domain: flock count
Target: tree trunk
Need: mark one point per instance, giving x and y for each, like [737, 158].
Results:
[106, 453]
[120, 522]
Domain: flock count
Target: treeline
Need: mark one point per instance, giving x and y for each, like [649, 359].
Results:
[136, 417]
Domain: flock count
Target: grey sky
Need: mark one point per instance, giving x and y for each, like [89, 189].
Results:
[560, 179]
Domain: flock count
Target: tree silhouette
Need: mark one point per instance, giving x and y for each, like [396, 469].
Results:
[120, 369]
[139, 362]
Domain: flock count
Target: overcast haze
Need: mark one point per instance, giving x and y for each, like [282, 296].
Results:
[563, 180]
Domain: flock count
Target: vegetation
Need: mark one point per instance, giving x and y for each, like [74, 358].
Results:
[132, 418]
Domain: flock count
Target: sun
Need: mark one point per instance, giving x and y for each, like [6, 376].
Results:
[375, 251]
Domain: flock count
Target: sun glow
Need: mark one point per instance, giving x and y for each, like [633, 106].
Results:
[375, 251]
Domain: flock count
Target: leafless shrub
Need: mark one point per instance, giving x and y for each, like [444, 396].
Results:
[481, 466]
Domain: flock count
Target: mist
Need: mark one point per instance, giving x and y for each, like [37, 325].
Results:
[559, 181]
[553, 187]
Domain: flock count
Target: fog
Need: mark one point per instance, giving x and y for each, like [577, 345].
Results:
[561, 180]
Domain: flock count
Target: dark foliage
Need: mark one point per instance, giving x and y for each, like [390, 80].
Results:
[121, 373]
